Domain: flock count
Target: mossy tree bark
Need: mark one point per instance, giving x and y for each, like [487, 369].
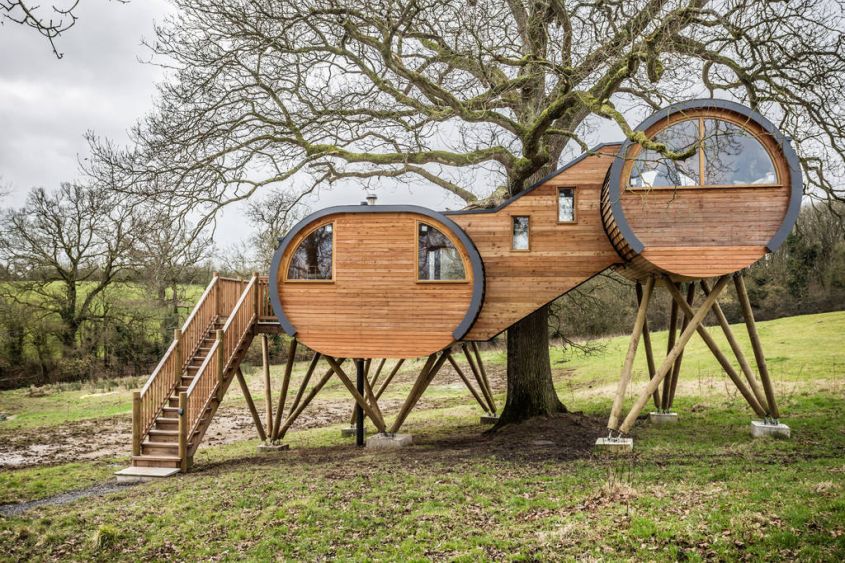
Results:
[531, 390]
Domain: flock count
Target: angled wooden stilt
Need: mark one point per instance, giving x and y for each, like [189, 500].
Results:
[283, 395]
[368, 409]
[717, 353]
[737, 350]
[371, 396]
[477, 375]
[249, 403]
[268, 392]
[673, 334]
[463, 377]
[628, 366]
[426, 377]
[676, 369]
[305, 380]
[759, 357]
[374, 380]
[389, 378]
[484, 376]
[649, 355]
[669, 361]
[305, 402]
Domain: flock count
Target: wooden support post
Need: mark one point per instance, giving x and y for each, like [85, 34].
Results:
[249, 403]
[669, 361]
[484, 375]
[717, 353]
[463, 377]
[477, 374]
[737, 350]
[183, 431]
[371, 396]
[283, 395]
[268, 391]
[136, 423]
[221, 364]
[673, 333]
[377, 420]
[759, 357]
[310, 397]
[376, 375]
[390, 377]
[305, 380]
[676, 369]
[178, 355]
[424, 380]
[628, 365]
[647, 345]
[216, 297]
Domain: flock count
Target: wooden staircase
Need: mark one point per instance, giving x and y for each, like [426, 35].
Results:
[172, 412]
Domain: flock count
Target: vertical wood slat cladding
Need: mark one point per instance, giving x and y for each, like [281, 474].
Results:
[561, 255]
[375, 307]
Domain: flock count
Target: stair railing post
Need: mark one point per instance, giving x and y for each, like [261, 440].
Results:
[136, 423]
[178, 358]
[183, 431]
[255, 294]
[216, 297]
[221, 363]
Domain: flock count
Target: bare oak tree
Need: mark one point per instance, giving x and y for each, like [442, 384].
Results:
[64, 249]
[443, 92]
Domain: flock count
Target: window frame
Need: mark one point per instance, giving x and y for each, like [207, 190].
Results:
[299, 243]
[699, 118]
[557, 209]
[517, 216]
[456, 243]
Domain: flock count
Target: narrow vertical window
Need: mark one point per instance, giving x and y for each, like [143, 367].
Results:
[520, 233]
[566, 205]
[313, 257]
[437, 257]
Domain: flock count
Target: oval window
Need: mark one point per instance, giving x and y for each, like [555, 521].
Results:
[313, 257]
[720, 153]
[438, 259]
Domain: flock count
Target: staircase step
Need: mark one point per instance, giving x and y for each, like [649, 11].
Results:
[170, 412]
[169, 436]
[159, 448]
[167, 424]
[173, 401]
[134, 474]
[156, 461]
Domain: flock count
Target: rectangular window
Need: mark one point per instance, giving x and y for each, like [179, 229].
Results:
[521, 229]
[566, 205]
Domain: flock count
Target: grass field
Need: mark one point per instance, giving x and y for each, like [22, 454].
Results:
[702, 489]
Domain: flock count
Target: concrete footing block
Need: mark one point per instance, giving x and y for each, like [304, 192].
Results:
[489, 418]
[762, 429]
[389, 441]
[139, 474]
[615, 445]
[267, 448]
[661, 418]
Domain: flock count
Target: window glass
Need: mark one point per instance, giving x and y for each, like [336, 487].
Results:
[438, 259]
[520, 233]
[566, 205]
[652, 169]
[313, 258]
[733, 156]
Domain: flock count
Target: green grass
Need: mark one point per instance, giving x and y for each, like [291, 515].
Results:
[702, 489]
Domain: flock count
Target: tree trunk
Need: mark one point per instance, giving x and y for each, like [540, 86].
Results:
[531, 391]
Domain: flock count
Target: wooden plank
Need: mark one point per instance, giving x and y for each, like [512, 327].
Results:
[760, 358]
[250, 404]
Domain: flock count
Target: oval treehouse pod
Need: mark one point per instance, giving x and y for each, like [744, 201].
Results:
[376, 281]
[731, 193]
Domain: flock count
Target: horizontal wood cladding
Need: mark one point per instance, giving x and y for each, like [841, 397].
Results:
[375, 307]
[561, 255]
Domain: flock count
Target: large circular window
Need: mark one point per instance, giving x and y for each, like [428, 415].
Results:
[709, 152]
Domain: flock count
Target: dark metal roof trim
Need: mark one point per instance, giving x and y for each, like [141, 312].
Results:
[474, 258]
[562, 169]
[795, 179]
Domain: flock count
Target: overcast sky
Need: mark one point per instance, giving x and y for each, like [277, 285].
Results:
[47, 104]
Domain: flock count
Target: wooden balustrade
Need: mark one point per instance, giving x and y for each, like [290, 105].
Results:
[157, 389]
[200, 321]
[201, 390]
[265, 309]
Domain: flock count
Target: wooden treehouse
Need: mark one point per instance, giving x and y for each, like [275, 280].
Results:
[376, 282]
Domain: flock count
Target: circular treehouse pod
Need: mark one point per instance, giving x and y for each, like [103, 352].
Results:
[729, 194]
[376, 281]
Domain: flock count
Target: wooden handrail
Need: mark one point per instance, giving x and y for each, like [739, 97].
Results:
[202, 299]
[240, 303]
[159, 367]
